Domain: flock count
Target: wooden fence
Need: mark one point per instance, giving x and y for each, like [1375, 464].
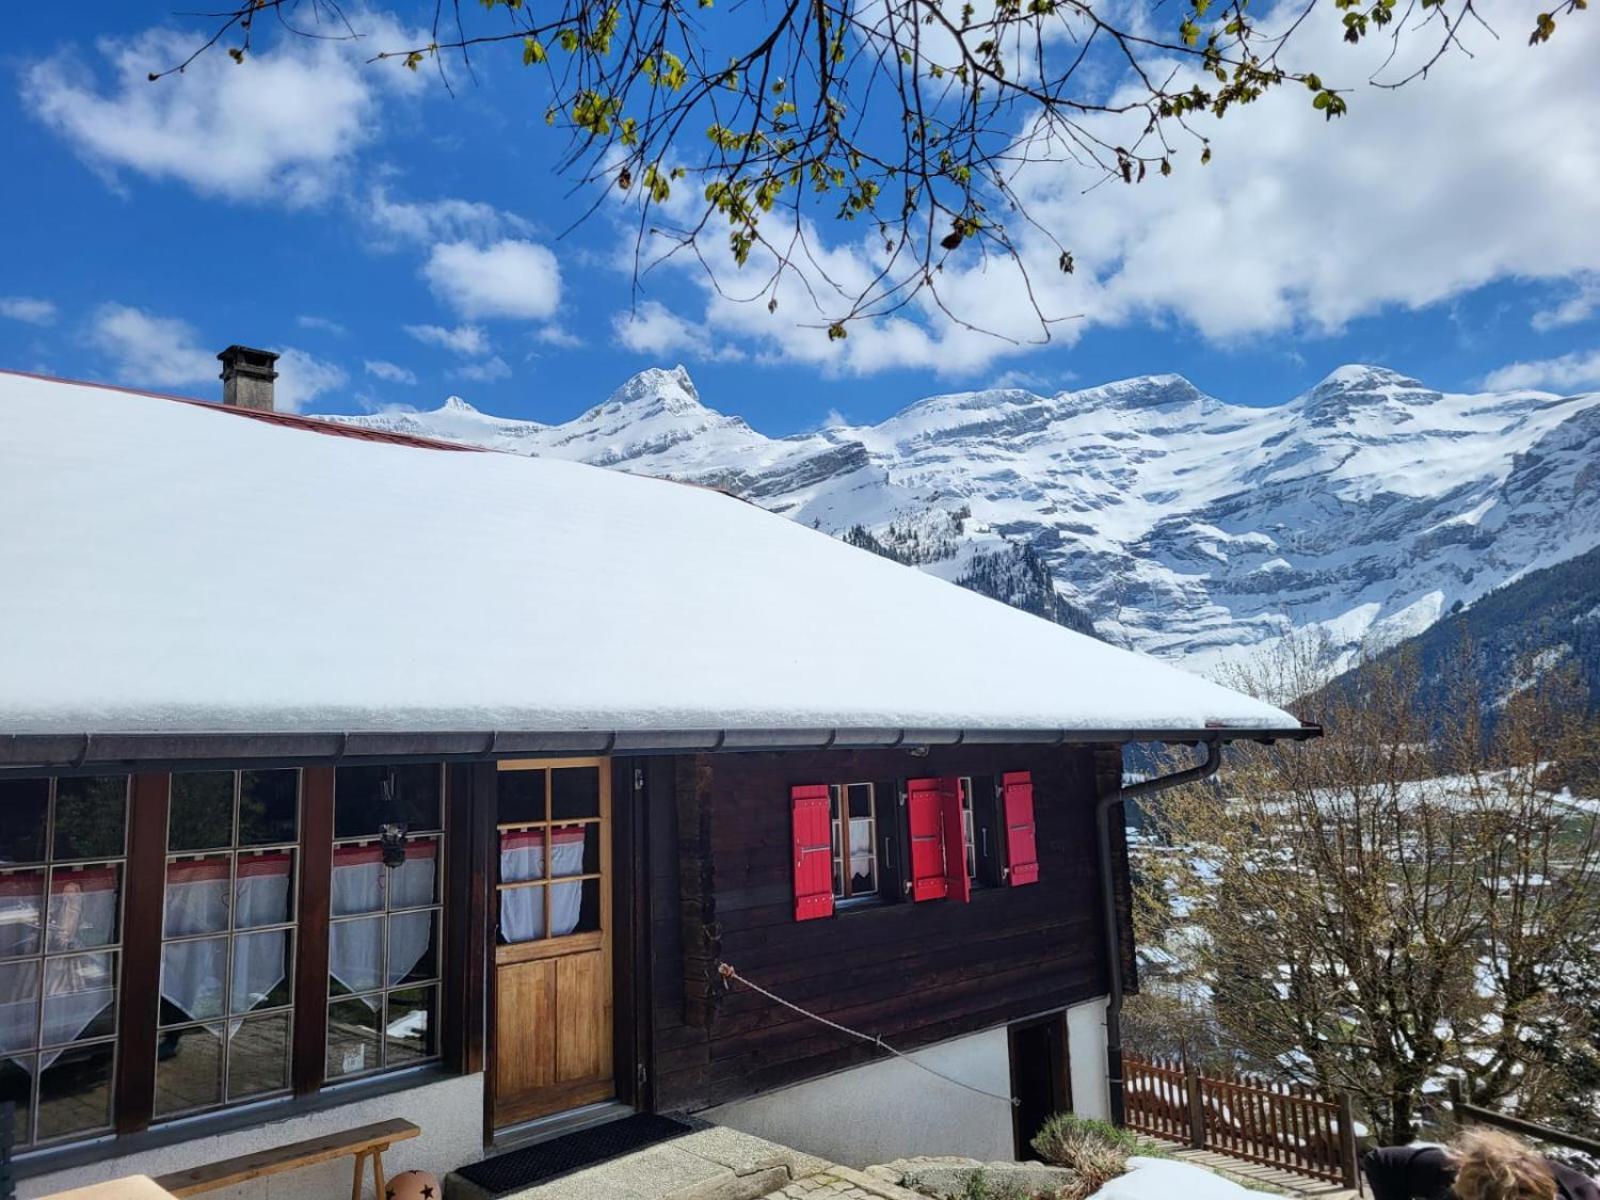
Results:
[1242, 1116]
[1471, 1114]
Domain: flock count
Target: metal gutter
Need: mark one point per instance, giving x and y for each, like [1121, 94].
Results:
[73, 751]
[1108, 901]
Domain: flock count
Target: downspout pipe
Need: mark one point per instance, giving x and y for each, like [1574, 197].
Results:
[1108, 904]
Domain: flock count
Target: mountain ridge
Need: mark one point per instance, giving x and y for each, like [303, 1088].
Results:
[1365, 507]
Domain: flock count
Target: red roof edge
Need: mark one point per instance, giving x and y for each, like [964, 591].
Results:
[288, 420]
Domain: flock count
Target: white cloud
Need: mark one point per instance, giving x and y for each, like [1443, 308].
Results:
[468, 340]
[1034, 381]
[449, 219]
[509, 278]
[142, 348]
[487, 371]
[29, 309]
[1574, 310]
[1569, 373]
[1298, 225]
[556, 335]
[655, 330]
[480, 261]
[389, 372]
[156, 351]
[281, 125]
[1411, 199]
[302, 378]
[322, 325]
[371, 404]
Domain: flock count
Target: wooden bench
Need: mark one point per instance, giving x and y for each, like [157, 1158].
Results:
[367, 1142]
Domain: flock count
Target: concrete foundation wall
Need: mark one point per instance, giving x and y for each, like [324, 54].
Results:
[449, 1112]
[1086, 1044]
[889, 1109]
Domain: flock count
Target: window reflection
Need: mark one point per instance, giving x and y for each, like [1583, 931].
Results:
[62, 843]
[384, 940]
[853, 816]
[228, 931]
[550, 853]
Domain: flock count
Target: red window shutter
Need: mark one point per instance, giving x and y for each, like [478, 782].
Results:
[955, 841]
[1022, 848]
[925, 815]
[813, 852]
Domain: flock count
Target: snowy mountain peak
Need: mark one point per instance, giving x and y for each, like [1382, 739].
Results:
[1140, 392]
[1366, 508]
[657, 388]
[1372, 383]
[1356, 389]
[455, 404]
[1362, 375]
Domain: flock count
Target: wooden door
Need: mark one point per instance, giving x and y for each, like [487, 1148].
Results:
[1041, 1077]
[552, 1026]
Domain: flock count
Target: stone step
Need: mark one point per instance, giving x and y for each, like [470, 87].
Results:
[709, 1164]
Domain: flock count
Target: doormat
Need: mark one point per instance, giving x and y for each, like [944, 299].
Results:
[572, 1152]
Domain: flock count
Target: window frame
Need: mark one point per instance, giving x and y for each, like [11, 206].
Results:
[546, 827]
[437, 981]
[47, 867]
[969, 828]
[981, 820]
[983, 833]
[136, 1010]
[227, 1018]
[841, 846]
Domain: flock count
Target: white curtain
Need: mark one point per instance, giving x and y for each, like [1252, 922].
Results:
[197, 902]
[355, 948]
[521, 858]
[77, 989]
[861, 847]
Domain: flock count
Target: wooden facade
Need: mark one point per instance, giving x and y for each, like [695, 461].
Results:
[720, 882]
[696, 869]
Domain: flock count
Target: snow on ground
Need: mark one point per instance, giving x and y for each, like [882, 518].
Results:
[1164, 1179]
[181, 568]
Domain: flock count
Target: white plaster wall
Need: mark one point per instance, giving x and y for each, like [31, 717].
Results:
[889, 1109]
[449, 1112]
[1086, 1046]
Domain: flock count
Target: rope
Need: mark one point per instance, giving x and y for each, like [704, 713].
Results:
[728, 973]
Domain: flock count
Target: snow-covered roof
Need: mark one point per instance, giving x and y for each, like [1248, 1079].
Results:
[169, 567]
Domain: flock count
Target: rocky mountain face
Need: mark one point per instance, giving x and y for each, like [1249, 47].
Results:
[1367, 508]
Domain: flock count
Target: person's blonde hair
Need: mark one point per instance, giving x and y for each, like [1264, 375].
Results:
[1496, 1166]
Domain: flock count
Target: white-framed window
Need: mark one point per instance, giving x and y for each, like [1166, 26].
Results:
[969, 828]
[853, 811]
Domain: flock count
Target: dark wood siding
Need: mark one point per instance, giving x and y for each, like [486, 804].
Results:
[721, 890]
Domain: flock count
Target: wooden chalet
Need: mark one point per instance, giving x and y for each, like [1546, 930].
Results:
[347, 777]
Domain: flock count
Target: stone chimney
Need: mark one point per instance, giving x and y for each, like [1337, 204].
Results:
[247, 377]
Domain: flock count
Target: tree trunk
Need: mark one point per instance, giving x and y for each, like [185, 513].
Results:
[1401, 1127]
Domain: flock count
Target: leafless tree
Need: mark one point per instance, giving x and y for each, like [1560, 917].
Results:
[1403, 902]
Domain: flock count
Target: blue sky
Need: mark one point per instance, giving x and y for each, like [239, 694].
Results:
[400, 245]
